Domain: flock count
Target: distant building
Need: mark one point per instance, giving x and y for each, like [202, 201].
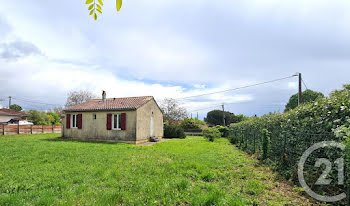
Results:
[10, 116]
[132, 120]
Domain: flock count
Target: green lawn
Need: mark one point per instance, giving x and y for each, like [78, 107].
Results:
[41, 170]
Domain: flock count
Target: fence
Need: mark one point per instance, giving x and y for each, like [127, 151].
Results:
[285, 151]
[29, 129]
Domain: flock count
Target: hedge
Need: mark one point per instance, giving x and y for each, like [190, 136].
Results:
[291, 133]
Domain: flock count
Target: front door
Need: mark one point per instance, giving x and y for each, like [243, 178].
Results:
[151, 126]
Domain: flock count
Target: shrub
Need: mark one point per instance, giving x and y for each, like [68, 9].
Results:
[189, 123]
[173, 131]
[223, 130]
[265, 143]
[211, 133]
[233, 139]
[292, 132]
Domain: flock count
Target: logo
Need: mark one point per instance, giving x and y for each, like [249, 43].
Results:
[322, 180]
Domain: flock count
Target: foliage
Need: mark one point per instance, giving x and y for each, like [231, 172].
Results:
[173, 131]
[43, 118]
[191, 171]
[95, 6]
[172, 111]
[223, 130]
[16, 107]
[211, 133]
[215, 117]
[265, 143]
[78, 97]
[296, 130]
[308, 96]
[57, 110]
[189, 123]
[39, 117]
[54, 118]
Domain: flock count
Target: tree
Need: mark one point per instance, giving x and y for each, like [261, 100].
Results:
[95, 7]
[16, 107]
[172, 111]
[39, 117]
[54, 118]
[78, 97]
[215, 117]
[308, 96]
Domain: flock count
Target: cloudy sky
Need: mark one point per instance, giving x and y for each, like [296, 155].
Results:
[173, 49]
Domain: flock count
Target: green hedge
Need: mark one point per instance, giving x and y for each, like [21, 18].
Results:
[291, 133]
[211, 133]
[174, 131]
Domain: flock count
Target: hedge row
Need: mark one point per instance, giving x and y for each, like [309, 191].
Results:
[291, 133]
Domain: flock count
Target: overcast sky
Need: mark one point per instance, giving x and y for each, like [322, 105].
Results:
[173, 49]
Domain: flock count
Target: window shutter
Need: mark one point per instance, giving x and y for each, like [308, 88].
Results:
[123, 118]
[68, 121]
[80, 121]
[109, 121]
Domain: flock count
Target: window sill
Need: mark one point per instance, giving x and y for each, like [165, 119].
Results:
[116, 129]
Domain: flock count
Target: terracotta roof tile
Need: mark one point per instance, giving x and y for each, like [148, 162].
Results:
[126, 103]
[11, 112]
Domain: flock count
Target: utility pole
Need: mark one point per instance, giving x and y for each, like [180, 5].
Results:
[197, 115]
[300, 96]
[10, 101]
[191, 115]
[223, 114]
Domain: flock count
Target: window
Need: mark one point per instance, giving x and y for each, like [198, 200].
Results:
[94, 116]
[74, 121]
[117, 122]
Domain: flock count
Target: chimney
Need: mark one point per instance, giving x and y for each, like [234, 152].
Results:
[103, 96]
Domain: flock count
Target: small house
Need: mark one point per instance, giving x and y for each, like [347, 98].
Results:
[132, 120]
[10, 116]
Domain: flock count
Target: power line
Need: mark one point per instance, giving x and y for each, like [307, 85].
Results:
[304, 83]
[237, 88]
[23, 100]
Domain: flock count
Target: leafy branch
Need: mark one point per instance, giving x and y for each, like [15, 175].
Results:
[95, 7]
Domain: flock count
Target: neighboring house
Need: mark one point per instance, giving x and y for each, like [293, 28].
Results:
[10, 116]
[129, 120]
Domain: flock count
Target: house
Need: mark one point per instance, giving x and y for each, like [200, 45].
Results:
[10, 116]
[132, 120]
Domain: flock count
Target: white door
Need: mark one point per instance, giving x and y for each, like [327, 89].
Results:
[151, 126]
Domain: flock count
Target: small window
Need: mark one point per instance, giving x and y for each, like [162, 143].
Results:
[74, 121]
[94, 116]
[117, 122]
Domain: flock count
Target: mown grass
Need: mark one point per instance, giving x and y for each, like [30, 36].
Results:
[41, 170]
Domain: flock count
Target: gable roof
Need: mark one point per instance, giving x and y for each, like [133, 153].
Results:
[11, 112]
[111, 104]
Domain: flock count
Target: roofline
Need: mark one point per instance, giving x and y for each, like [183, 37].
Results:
[22, 115]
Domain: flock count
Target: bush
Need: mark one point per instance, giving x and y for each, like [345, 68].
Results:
[233, 139]
[211, 133]
[189, 123]
[173, 131]
[223, 130]
[265, 143]
[292, 132]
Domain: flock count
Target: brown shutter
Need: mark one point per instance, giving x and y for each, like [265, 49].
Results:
[68, 121]
[109, 121]
[80, 121]
[123, 118]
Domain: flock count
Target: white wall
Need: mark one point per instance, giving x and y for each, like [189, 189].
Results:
[6, 118]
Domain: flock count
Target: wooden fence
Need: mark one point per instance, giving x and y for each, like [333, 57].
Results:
[29, 129]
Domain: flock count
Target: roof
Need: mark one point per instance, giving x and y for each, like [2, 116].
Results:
[111, 104]
[11, 112]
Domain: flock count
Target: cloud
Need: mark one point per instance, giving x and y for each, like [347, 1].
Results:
[18, 49]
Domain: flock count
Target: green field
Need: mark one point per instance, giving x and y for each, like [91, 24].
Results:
[42, 170]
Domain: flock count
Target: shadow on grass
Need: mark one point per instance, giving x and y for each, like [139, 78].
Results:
[61, 139]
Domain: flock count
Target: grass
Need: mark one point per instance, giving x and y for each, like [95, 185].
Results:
[41, 170]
